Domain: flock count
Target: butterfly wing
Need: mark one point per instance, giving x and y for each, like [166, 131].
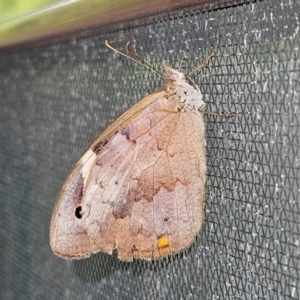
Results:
[139, 188]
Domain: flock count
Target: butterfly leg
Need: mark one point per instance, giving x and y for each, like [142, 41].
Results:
[217, 114]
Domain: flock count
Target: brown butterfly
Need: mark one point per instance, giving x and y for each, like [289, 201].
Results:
[139, 188]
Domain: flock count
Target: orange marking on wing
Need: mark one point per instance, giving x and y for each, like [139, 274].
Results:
[163, 245]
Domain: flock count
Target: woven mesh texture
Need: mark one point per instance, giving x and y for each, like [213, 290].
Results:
[56, 99]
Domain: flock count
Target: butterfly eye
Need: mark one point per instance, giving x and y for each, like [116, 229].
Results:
[166, 219]
[172, 76]
[78, 212]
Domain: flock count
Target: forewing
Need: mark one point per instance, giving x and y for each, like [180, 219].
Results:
[141, 192]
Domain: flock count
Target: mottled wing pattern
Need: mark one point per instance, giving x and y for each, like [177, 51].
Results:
[141, 191]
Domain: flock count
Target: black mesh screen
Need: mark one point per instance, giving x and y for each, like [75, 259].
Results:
[56, 99]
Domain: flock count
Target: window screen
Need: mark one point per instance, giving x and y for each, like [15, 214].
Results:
[55, 100]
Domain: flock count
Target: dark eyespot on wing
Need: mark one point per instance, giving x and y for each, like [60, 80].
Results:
[78, 212]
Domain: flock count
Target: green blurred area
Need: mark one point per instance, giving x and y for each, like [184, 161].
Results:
[23, 21]
[14, 9]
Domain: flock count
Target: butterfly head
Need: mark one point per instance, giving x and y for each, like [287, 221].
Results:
[172, 75]
[175, 77]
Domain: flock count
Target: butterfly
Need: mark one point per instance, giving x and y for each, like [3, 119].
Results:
[139, 188]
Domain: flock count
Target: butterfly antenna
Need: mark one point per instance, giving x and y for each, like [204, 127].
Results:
[143, 62]
[134, 57]
[205, 63]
